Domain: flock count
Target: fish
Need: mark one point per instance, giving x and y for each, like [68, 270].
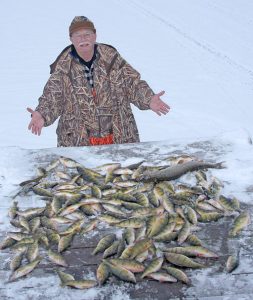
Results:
[140, 247]
[24, 270]
[87, 227]
[46, 222]
[125, 184]
[138, 172]
[110, 219]
[195, 251]
[167, 187]
[48, 212]
[61, 220]
[155, 224]
[141, 199]
[65, 242]
[227, 203]
[16, 261]
[64, 277]
[74, 228]
[57, 258]
[208, 216]
[34, 224]
[147, 211]
[140, 233]
[142, 256]
[122, 171]
[80, 284]
[165, 237]
[52, 165]
[111, 250]
[63, 175]
[108, 167]
[53, 237]
[177, 273]
[68, 162]
[129, 264]
[162, 277]
[182, 260]
[124, 197]
[96, 192]
[24, 223]
[135, 165]
[177, 171]
[129, 235]
[31, 212]
[120, 272]
[13, 210]
[102, 273]
[153, 199]
[131, 223]
[232, 262]
[34, 180]
[154, 266]
[42, 239]
[191, 215]
[184, 233]
[89, 175]
[104, 243]
[114, 209]
[42, 192]
[240, 222]
[32, 251]
[193, 240]
[56, 205]
[18, 236]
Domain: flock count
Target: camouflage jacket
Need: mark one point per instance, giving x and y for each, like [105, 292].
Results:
[68, 95]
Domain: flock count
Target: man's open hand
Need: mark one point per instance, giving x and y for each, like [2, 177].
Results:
[37, 121]
[158, 106]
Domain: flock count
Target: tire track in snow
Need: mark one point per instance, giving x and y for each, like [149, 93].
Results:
[204, 46]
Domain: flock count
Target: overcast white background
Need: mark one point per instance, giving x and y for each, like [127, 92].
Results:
[199, 51]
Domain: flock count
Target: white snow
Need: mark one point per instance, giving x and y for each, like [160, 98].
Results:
[199, 52]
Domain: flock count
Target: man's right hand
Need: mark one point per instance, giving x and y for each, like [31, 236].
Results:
[37, 121]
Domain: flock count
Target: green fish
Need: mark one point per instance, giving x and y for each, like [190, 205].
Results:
[24, 270]
[81, 284]
[64, 277]
[102, 273]
[182, 260]
[104, 243]
[178, 274]
[154, 266]
[120, 272]
[240, 222]
[129, 264]
[57, 258]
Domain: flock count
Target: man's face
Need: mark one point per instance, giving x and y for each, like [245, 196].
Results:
[83, 40]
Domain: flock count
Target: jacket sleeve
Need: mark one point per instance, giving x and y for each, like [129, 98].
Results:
[138, 90]
[51, 102]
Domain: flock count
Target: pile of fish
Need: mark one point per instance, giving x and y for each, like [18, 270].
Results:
[153, 217]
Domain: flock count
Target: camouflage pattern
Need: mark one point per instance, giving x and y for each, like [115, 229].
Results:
[68, 95]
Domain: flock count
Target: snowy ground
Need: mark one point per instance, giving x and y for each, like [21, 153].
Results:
[21, 164]
[199, 52]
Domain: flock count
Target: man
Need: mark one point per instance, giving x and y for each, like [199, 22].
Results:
[90, 88]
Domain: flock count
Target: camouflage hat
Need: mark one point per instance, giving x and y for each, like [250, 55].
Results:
[79, 23]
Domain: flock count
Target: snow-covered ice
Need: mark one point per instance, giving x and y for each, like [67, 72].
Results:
[199, 52]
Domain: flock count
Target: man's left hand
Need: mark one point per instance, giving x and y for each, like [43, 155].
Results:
[158, 106]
